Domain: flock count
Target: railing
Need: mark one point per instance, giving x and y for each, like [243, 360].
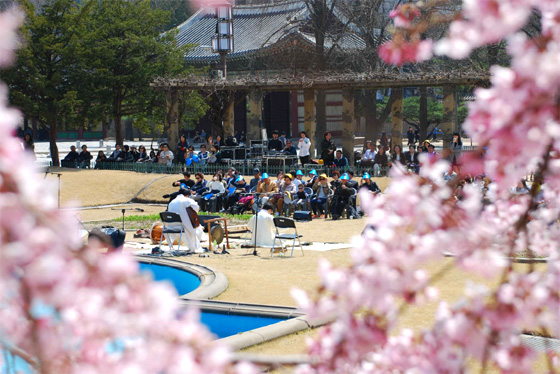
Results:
[243, 167]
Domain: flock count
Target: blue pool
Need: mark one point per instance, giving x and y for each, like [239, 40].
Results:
[222, 325]
[183, 281]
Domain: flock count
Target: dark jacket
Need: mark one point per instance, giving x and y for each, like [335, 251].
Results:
[71, 156]
[85, 156]
[381, 159]
[182, 148]
[373, 187]
[276, 145]
[189, 183]
[199, 187]
[408, 159]
[326, 146]
[290, 151]
[341, 162]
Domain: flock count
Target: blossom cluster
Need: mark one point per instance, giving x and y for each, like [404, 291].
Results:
[418, 220]
[67, 308]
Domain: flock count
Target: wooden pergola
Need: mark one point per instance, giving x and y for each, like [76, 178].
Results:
[254, 86]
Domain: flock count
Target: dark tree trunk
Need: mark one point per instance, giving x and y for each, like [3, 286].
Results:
[52, 142]
[119, 138]
[34, 127]
[104, 128]
[423, 115]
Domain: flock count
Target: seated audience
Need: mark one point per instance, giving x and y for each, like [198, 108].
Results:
[299, 178]
[289, 149]
[186, 182]
[279, 179]
[411, 158]
[340, 161]
[135, 154]
[351, 182]
[335, 183]
[369, 155]
[256, 178]
[322, 191]
[203, 155]
[125, 155]
[216, 156]
[72, 155]
[84, 158]
[142, 154]
[397, 155]
[275, 144]
[380, 161]
[236, 188]
[343, 199]
[266, 187]
[166, 156]
[300, 200]
[218, 190]
[312, 178]
[100, 157]
[115, 155]
[287, 190]
[153, 157]
[369, 185]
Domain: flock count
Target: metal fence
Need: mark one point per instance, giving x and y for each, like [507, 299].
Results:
[245, 168]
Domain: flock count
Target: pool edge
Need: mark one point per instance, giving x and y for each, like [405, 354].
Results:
[212, 282]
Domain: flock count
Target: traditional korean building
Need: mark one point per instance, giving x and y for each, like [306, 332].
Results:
[269, 39]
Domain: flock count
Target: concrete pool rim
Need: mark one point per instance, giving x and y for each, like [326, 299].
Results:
[213, 283]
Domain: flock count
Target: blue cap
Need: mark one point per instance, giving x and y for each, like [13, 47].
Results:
[366, 176]
[313, 172]
[344, 177]
[265, 176]
[239, 178]
[299, 172]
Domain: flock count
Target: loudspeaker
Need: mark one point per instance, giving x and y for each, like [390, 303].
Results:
[303, 215]
[240, 153]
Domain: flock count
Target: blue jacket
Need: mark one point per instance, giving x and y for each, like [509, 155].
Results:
[341, 162]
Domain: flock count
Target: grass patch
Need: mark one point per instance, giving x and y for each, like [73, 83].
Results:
[155, 217]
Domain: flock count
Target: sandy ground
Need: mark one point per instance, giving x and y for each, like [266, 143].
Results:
[261, 279]
[101, 187]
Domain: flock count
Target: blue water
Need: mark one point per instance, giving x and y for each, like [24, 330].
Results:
[183, 281]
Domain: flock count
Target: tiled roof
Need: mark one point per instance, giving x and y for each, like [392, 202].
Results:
[255, 27]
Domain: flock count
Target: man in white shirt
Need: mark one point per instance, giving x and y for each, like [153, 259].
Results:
[191, 236]
[369, 154]
[166, 156]
[265, 229]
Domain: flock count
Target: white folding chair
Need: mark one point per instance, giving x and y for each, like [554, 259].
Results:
[170, 217]
[286, 223]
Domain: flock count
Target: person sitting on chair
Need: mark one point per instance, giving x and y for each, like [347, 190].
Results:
[300, 200]
[256, 178]
[192, 236]
[369, 185]
[113, 157]
[313, 178]
[266, 187]
[262, 227]
[380, 162]
[298, 180]
[287, 190]
[289, 149]
[186, 182]
[342, 199]
[340, 161]
[322, 192]
[203, 155]
[236, 188]
[199, 188]
[72, 155]
[84, 158]
[217, 190]
[216, 156]
[275, 144]
[351, 182]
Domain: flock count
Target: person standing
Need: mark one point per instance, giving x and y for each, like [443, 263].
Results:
[327, 149]
[410, 136]
[304, 144]
[29, 145]
[166, 156]
[182, 148]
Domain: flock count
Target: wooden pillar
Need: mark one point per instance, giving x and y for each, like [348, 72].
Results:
[173, 120]
[448, 126]
[348, 125]
[254, 117]
[229, 118]
[397, 118]
[309, 118]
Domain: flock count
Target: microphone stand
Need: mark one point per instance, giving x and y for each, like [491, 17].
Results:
[58, 175]
[123, 210]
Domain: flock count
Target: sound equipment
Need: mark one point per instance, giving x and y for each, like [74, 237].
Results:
[228, 153]
[109, 235]
[303, 215]
[231, 141]
[240, 153]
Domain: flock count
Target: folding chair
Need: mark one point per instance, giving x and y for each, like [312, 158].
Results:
[169, 217]
[286, 223]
